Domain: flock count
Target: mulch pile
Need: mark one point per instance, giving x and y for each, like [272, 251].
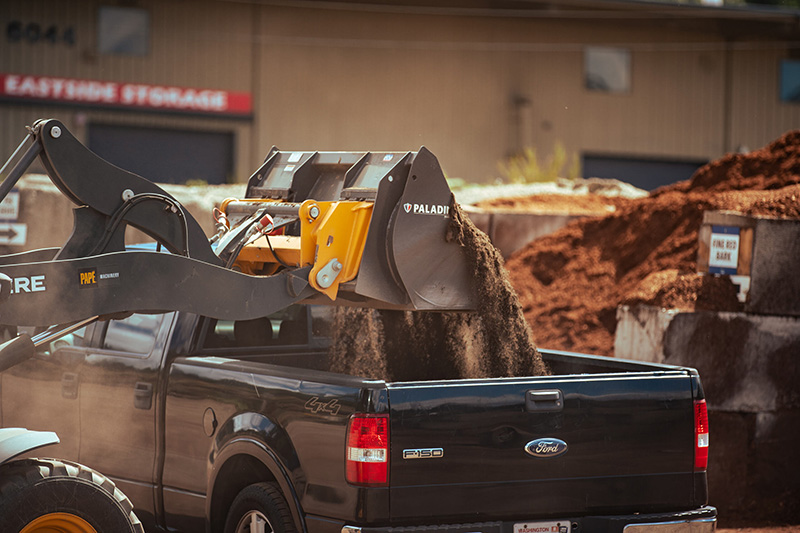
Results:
[570, 283]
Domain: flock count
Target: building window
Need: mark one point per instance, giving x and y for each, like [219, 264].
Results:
[123, 30]
[607, 69]
[790, 80]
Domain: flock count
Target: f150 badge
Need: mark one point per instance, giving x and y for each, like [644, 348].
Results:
[423, 453]
[546, 447]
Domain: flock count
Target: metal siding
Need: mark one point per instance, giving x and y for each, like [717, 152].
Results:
[355, 79]
[759, 116]
[380, 81]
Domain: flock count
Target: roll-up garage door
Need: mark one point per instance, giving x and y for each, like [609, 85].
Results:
[647, 174]
[165, 155]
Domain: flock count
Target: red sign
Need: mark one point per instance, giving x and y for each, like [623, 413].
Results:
[133, 95]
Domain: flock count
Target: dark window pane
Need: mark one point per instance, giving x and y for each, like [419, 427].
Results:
[790, 80]
[607, 69]
[123, 30]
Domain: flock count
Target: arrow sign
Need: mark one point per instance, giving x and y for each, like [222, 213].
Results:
[13, 234]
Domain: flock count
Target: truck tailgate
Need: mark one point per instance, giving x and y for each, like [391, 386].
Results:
[458, 449]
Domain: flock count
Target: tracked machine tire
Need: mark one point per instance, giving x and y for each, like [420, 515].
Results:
[43, 495]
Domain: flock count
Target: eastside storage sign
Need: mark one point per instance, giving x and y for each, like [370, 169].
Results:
[124, 95]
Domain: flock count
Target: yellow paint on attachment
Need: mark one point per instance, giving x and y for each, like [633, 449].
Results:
[257, 259]
[338, 232]
[308, 228]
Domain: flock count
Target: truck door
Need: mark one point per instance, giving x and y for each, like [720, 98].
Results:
[119, 387]
[42, 393]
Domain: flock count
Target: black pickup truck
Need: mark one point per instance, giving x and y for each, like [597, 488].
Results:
[207, 428]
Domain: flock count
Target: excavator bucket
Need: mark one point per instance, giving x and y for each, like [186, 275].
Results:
[406, 262]
[336, 228]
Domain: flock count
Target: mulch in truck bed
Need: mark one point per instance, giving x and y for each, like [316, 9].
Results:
[493, 341]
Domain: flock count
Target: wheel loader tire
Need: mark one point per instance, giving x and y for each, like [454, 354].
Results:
[260, 508]
[45, 495]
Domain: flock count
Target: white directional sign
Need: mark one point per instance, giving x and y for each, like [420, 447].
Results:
[13, 234]
[9, 207]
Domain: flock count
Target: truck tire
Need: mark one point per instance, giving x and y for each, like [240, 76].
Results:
[260, 508]
[44, 495]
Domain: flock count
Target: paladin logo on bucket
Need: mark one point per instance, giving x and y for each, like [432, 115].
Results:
[426, 209]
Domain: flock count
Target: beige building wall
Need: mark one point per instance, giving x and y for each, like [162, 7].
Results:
[757, 113]
[385, 78]
[388, 81]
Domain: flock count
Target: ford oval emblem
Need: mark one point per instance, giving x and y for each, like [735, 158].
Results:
[546, 447]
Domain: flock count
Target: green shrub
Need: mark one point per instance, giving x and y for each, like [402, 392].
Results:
[526, 167]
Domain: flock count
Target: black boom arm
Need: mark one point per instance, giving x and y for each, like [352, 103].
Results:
[92, 274]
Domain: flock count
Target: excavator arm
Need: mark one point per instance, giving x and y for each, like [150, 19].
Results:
[337, 228]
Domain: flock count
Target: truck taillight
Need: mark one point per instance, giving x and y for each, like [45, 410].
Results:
[700, 435]
[368, 450]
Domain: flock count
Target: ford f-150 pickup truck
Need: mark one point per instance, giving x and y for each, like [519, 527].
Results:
[199, 380]
[207, 428]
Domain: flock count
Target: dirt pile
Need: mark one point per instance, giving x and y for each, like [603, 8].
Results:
[571, 282]
[773, 167]
[672, 289]
[494, 341]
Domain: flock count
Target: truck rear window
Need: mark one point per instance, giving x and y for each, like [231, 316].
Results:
[288, 327]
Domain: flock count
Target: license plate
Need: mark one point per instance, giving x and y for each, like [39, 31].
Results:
[556, 526]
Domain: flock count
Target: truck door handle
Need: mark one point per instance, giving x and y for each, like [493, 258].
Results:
[69, 385]
[544, 400]
[143, 395]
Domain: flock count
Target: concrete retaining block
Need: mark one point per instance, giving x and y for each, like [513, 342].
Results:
[750, 369]
[640, 332]
[510, 232]
[748, 363]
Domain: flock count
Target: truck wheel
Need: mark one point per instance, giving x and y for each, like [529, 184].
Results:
[46, 495]
[260, 508]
